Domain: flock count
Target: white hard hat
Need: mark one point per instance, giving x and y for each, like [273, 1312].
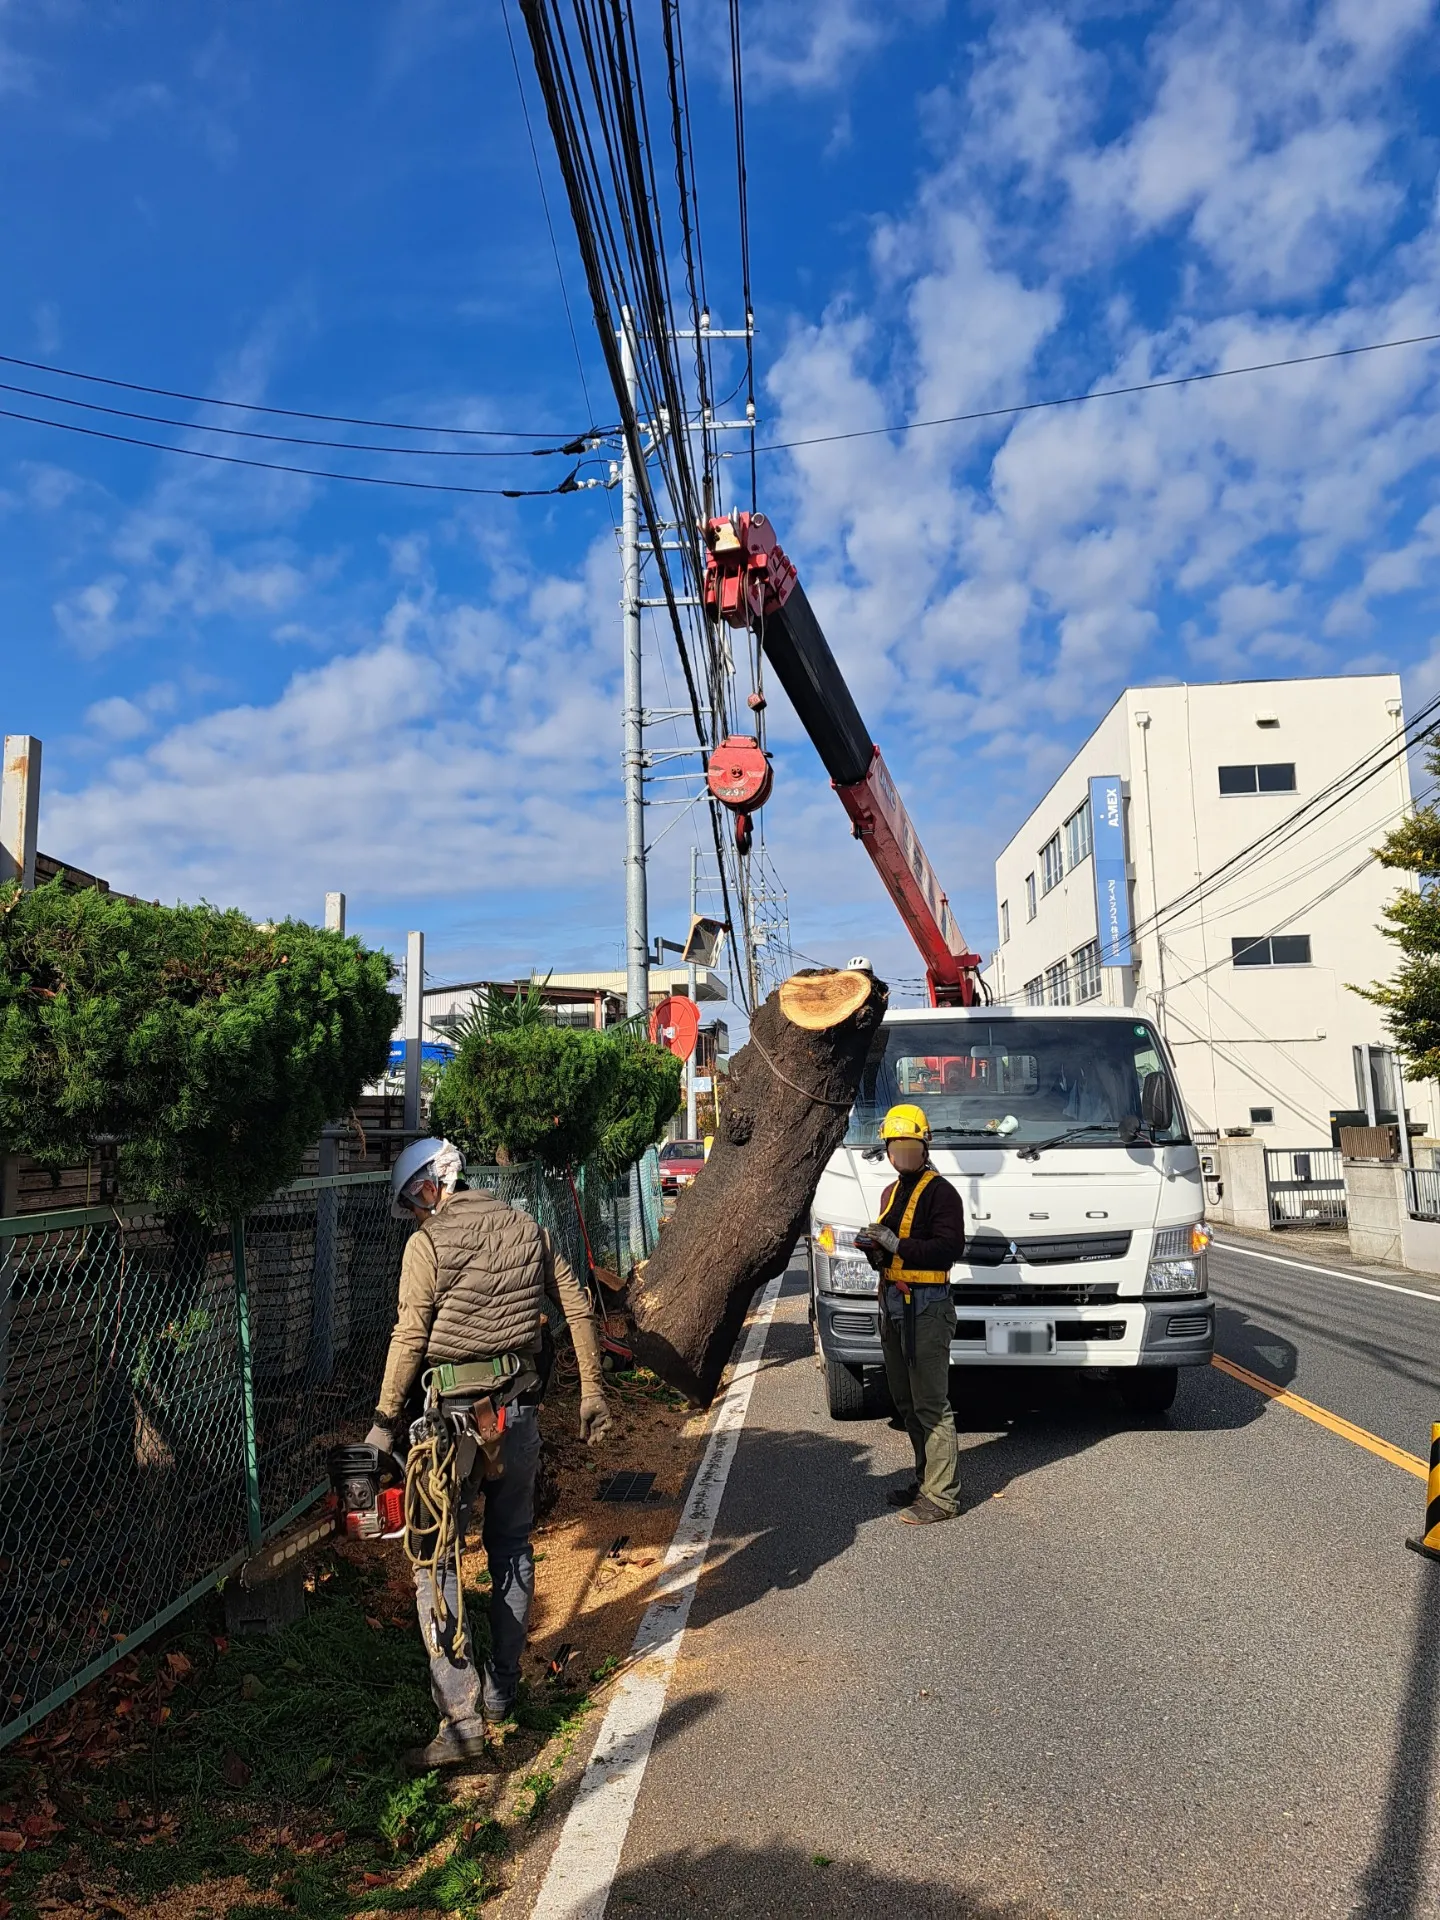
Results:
[412, 1162]
[859, 965]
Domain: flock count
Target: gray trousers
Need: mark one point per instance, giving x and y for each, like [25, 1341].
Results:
[505, 1530]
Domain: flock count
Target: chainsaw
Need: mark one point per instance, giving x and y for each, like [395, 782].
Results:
[365, 1501]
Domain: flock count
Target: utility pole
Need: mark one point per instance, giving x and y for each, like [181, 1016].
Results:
[637, 928]
[690, 1064]
[414, 1027]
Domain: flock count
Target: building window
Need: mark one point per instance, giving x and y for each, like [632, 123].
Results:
[1262, 1116]
[1029, 896]
[1052, 864]
[1277, 950]
[1035, 992]
[1004, 921]
[1078, 838]
[1086, 962]
[1057, 984]
[1276, 776]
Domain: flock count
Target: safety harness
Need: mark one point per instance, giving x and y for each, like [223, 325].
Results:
[434, 1469]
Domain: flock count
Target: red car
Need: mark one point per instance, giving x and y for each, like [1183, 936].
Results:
[680, 1161]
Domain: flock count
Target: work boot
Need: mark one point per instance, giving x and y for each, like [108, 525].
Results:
[903, 1496]
[457, 1744]
[924, 1513]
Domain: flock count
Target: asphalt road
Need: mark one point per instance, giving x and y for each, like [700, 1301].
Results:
[1178, 1669]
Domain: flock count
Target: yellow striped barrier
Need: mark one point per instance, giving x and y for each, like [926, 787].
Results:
[1429, 1542]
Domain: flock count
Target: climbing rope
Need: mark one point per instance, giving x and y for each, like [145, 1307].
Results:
[432, 1531]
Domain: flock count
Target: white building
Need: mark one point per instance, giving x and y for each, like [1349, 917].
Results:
[1133, 884]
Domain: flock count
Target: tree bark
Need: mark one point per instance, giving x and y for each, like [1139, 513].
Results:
[786, 1106]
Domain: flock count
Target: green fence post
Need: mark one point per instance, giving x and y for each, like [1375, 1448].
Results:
[247, 1384]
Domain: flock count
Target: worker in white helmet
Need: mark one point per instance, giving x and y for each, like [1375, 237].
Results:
[473, 1283]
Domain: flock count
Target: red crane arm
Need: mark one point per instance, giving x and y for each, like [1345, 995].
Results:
[749, 582]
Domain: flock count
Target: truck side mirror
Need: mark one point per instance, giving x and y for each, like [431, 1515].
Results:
[1157, 1107]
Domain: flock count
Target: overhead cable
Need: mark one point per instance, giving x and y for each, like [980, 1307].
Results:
[1099, 393]
[286, 413]
[570, 484]
[575, 446]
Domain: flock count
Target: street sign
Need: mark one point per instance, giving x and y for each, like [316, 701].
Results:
[675, 1023]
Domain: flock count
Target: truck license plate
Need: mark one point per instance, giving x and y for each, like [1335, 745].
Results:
[1020, 1336]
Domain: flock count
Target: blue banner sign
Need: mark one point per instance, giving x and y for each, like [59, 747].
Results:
[1112, 888]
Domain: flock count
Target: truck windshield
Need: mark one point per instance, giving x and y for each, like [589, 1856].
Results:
[1013, 1081]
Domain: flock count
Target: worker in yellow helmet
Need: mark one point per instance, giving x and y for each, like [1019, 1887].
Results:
[918, 1237]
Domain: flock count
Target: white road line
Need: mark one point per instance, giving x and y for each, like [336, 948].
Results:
[587, 1855]
[1335, 1273]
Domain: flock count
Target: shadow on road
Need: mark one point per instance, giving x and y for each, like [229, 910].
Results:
[1392, 1887]
[1251, 1343]
[766, 1883]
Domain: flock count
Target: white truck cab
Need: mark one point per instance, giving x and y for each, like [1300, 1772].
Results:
[1064, 1132]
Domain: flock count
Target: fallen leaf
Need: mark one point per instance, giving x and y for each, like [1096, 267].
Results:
[222, 1645]
[39, 1826]
[376, 1879]
[318, 1769]
[10, 1841]
[122, 1809]
[233, 1771]
[4, 1909]
[251, 1687]
[371, 1621]
[179, 1665]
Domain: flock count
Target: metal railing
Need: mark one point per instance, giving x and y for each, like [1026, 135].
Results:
[168, 1395]
[1422, 1192]
[1306, 1187]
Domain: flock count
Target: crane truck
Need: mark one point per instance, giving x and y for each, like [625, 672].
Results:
[1063, 1128]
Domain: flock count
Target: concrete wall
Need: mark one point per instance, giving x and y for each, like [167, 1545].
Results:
[1375, 1204]
[1236, 1196]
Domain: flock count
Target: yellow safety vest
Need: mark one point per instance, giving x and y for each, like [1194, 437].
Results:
[897, 1273]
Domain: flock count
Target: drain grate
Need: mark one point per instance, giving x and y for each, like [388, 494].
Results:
[628, 1486]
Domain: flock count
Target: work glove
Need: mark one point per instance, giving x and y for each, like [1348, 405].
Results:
[594, 1418]
[883, 1237]
[380, 1436]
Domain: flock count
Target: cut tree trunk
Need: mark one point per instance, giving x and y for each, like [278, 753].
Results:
[784, 1112]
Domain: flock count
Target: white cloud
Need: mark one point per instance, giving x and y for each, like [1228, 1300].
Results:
[457, 754]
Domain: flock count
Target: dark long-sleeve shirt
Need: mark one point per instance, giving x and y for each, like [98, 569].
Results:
[937, 1236]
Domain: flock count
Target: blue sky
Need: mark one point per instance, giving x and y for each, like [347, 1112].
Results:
[254, 687]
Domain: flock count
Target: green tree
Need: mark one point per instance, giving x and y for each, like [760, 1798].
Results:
[522, 1090]
[1411, 998]
[212, 1050]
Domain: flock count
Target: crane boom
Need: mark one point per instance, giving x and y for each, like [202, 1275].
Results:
[750, 583]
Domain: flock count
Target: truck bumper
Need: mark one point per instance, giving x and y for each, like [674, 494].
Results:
[1116, 1334]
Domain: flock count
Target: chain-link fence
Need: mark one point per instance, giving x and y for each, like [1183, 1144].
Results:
[168, 1395]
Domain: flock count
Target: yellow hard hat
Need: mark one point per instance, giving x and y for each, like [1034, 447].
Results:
[905, 1123]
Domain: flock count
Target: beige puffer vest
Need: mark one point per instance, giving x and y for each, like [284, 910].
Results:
[490, 1283]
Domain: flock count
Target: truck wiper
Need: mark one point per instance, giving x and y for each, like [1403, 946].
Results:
[1128, 1130]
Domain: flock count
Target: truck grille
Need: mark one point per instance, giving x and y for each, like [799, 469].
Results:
[1020, 1295]
[1089, 1330]
[989, 1250]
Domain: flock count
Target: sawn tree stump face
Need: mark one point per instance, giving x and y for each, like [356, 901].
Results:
[787, 1103]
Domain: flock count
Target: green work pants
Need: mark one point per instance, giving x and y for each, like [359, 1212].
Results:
[921, 1391]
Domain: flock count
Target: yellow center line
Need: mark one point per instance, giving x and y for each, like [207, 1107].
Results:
[1322, 1417]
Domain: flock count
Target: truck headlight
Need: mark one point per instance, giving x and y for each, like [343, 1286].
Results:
[1177, 1260]
[839, 1268]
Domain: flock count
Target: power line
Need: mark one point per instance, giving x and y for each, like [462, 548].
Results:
[1102, 393]
[284, 413]
[1304, 816]
[570, 484]
[579, 445]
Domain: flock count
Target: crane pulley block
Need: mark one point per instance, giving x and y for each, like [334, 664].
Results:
[747, 573]
[740, 776]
